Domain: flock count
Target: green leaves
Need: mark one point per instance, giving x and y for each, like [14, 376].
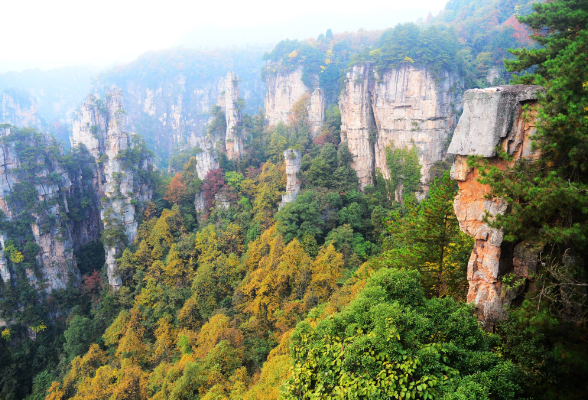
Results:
[388, 344]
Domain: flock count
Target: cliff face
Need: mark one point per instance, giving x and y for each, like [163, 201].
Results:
[18, 108]
[229, 141]
[284, 89]
[492, 118]
[169, 94]
[171, 113]
[34, 192]
[229, 102]
[404, 106]
[121, 173]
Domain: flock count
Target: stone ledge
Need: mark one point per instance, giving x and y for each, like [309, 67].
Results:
[488, 117]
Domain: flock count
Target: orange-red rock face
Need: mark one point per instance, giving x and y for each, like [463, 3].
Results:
[492, 118]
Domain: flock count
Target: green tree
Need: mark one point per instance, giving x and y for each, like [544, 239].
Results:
[78, 337]
[405, 172]
[428, 238]
[391, 342]
[300, 218]
[548, 196]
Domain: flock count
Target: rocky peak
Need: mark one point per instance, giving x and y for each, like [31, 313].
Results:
[404, 107]
[18, 108]
[34, 188]
[492, 118]
[230, 105]
[122, 166]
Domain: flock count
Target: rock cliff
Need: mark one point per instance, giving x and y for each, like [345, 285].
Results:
[121, 172]
[35, 189]
[293, 160]
[284, 89]
[492, 118]
[404, 107]
[229, 102]
[231, 139]
[169, 94]
[18, 108]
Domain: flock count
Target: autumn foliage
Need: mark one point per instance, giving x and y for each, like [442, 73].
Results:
[177, 190]
[213, 183]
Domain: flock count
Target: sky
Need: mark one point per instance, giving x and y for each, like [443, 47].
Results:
[49, 34]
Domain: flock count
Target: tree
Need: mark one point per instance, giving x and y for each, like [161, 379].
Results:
[176, 193]
[548, 197]
[78, 337]
[428, 238]
[213, 183]
[405, 172]
[392, 342]
[301, 217]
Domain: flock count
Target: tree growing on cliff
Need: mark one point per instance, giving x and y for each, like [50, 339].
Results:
[548, 197]
[548, 201]
[428, 238]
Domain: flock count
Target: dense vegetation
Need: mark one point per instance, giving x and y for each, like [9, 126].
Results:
[339, 294]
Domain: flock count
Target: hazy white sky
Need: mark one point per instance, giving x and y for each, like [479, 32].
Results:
[50, 33]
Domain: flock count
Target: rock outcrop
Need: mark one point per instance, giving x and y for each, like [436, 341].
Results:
[18, 108]
[284, 89]
[231, 140]
[34, 189]
[229, 102]
[404, 107]
[492, 118]
[293, 160]
[169, 94]
[121, 173]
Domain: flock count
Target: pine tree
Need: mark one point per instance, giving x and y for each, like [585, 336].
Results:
[549, 197]
[428, 239]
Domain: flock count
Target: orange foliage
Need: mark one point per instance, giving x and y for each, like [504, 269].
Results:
[218, 328]
[176, 193]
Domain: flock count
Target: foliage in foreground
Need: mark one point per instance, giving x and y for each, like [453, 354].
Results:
[393, 343]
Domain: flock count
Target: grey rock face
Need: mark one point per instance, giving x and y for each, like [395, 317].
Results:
[293, 160]
[51, 232]
[21, 112]
[229, 103]
[488, 117]
[170, 105]
[120, 173]
[284, 89]
[404, 107]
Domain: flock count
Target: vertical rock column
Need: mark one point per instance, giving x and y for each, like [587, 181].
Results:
[118, 181]
[491, 118]
[233, 139]
[293, 160]
[357, 121]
